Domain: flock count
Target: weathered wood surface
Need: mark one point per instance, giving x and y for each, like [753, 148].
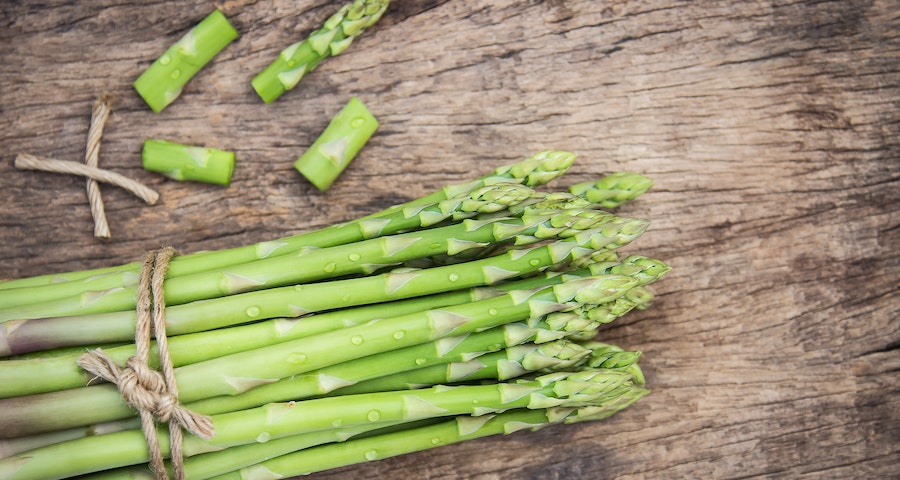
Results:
[771, 129]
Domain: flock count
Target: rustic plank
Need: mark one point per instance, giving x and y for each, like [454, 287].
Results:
[771, 129]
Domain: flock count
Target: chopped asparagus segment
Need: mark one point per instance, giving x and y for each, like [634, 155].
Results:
[188, 162]
[300, 58]
[162, 82]
[338, 145]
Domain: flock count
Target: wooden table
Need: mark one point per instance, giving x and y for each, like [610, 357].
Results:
[770, 128]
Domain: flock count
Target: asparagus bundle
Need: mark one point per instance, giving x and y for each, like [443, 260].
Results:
[469, 312]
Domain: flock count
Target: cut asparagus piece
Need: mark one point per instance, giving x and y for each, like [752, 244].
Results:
[295, 61]
[162, 82]
[338, 145]
[188, 162]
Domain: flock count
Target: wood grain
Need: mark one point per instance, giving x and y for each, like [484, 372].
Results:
[770, 128]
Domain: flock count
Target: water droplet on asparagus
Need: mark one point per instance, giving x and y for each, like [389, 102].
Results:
[354, 257]
[492, 311]
[453, 277]
[296, 358]
[534, 262]
[371, 455]
[330, 267]
[175, 74]
[374, 416]
[263, 437]
[252, 311]
[435, 441]
[164, 60]
[356, 339]
[421, 361]
[399, 334]
[357, 122]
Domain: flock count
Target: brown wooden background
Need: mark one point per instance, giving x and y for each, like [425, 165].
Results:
[770, 128]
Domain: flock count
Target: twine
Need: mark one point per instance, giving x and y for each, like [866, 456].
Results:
[99, 114]
[152, 393]
[25, 161]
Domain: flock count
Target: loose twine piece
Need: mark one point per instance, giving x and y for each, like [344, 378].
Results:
[99, 114]
[25, 161]
[152, 393]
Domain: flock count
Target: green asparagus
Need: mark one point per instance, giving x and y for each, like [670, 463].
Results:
[162, 82]
[338, 145]
[536, 170]
[277, 420]
[302, 57]
[188, 162]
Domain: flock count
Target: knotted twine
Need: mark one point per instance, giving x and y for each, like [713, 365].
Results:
[152, 393]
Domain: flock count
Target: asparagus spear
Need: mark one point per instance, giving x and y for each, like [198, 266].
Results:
[556, 355]
[506, 364]
[485, 199]
[334, 37]
[278, 420]
[538, 169]
[293, 301]
[613, 190]
[376, 447]
[308, 265]
[37, 375]
[237, 373]
[393, 362]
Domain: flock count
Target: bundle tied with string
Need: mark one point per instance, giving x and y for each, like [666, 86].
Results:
[153, 393]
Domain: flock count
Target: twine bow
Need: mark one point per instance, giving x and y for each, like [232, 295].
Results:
[154, 394]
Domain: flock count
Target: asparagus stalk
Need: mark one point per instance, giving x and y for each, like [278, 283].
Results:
[613, 190]
[188, 162]
[528, 357]
[19, 378]
[393, 362]
[334, 37]
[377, 447]
[206, 465]
[538, 169]
[502, 365]
[278, 420]
[314, 265]
[338, 145]
[162, 82]
[237, 373]
[38, 375]
[294, 301]
[486, 199]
